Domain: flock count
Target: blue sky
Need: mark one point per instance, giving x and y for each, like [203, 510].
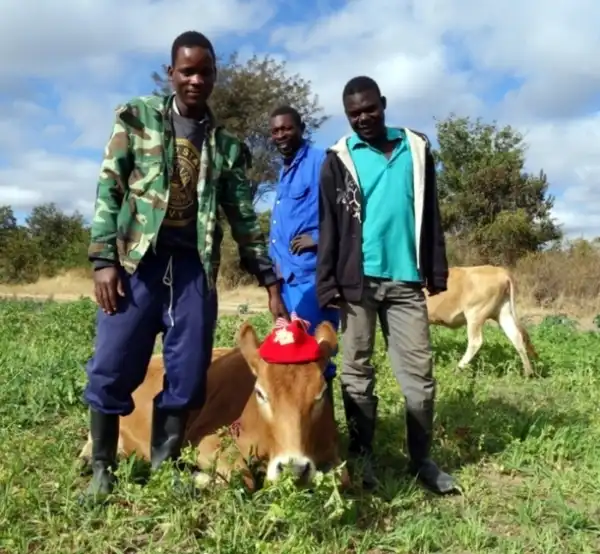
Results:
[531, 65]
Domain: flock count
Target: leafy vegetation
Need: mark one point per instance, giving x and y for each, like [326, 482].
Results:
[526, 452]
[49, 242]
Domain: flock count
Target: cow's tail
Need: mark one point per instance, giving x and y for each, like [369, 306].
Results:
[513, 310]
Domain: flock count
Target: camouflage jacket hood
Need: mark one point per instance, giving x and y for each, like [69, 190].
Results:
[133, 191]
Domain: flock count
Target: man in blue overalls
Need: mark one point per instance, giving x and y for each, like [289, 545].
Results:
[294, 224]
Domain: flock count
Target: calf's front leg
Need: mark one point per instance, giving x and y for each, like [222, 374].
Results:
[215, 455]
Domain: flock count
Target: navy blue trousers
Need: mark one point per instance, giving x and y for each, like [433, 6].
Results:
[166, 295]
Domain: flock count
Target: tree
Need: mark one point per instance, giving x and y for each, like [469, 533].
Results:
[8, 221]
[62, 238]
[488, 202]
[245, 94]
[8, 224]
[21, 259]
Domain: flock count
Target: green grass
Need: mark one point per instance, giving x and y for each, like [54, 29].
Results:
[526, 452]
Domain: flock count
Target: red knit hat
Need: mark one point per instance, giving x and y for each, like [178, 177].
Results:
[290, 343]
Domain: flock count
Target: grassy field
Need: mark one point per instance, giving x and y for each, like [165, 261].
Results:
[527, 455]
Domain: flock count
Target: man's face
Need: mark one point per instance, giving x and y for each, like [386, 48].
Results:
[193, 76]
[286, 134]
[366, 114]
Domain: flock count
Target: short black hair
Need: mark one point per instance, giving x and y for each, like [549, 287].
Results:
[287, 110]
[190, 39]
[362, 83]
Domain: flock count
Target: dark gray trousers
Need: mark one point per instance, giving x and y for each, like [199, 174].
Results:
[402, 313]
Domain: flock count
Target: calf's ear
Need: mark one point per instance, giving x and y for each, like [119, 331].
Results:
[326, 336]
[248, 344]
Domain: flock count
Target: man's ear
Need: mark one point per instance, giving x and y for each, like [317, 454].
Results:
[326, 336]
[248, 344]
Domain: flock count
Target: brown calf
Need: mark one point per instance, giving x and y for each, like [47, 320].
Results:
[474, 295]
[279, 414]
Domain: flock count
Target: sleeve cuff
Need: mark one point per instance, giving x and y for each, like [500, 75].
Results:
[328, 298]
[101, 263]
[439, 283]
[267, 278]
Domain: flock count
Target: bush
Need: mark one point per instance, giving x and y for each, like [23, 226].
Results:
[52, 243]
[563, 278]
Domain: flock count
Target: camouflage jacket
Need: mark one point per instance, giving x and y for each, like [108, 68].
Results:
[133, 192]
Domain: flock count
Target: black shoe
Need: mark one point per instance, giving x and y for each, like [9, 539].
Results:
[419, 434]
[168, 430]
[104, 429]
[361, 416]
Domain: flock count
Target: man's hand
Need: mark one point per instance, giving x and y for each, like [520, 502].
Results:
[276, 305]
[302, 243]
[107, 285]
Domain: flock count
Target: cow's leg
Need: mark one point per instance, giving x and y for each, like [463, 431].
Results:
[224, 459]
[123, 347]
[474, 337]
[301, 297]
[511, 329]
[358, 325]
[405, 326]
[189, 318]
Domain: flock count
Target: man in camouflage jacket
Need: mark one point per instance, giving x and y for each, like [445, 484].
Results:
[155, 245]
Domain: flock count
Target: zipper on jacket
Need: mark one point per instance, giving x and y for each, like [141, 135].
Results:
[167, 123]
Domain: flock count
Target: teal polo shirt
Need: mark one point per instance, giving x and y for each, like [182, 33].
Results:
[388, 241]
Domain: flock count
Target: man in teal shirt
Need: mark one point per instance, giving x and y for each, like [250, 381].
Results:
[380, 242]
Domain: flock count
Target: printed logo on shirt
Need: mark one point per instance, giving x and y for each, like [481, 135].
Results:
[182, 197]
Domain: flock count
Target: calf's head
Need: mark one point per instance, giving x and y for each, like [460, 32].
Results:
[292, 400]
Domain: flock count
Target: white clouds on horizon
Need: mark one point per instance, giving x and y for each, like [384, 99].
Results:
[431, 58]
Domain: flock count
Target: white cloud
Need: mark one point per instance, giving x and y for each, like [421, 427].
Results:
[568, 150]
[404, 53]
[37, 176]
[430, 57]
[91, 114]
[411, 54]
[64, 36]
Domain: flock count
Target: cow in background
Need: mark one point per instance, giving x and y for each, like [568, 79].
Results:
[277, 412]
[474, 295]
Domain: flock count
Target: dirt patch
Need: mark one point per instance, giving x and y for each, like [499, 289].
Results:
[73, 286]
